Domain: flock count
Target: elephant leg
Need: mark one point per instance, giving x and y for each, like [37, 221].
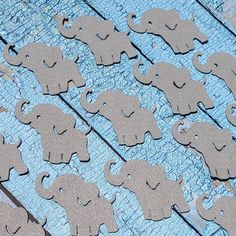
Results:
[193, 106]
[83, 154]
[121, 139]
[44, 87]
[4, 175]
[154, 130]
[190, 45]
[116, 57]
[167, 211]
[140, 138]
[20, 167]
[98, 58]
[131, 51]
[130, 140]
[54, 89]
[46, 154]
[55, 157]
[184, 109]
[107, 60]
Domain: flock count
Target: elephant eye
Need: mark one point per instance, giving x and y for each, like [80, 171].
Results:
[60, 189]
[27, 56]
[216, 65]
[80, 29]
[196, 136]
[149, 22]
[222, 212]
[38, 116]
[129, 176]
[104, 104]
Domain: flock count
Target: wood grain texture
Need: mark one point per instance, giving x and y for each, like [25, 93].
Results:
[24, 22]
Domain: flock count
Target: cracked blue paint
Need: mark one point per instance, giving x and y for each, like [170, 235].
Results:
[33, 21]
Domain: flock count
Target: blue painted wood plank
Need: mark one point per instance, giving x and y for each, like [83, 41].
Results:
[173, 157]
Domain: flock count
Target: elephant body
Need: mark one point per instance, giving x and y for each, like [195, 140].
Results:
[156, 194]
[15, 221]
[214, 144]
[86, 210]
[60, 139]
[220, 64]
[52, 71]
[178, 34]
[128, 119]
[181, 91]
[104, 41]
[222, 212]
[10, 157]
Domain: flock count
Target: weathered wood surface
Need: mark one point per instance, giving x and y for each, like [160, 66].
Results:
[24, 22]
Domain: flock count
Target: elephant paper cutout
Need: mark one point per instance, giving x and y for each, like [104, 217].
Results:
[229, 114]
[156, 194]
[181, 91]
[105, 42]
[223, 212]
[53, 72]
[215, 144]
[60, 139]
[130, 122]
[15, 221]
[86, 210]
[220, 64]
[10, 158]
[178, 34]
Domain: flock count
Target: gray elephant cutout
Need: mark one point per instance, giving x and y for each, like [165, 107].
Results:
[130, 122]
[223, 212]
[105, 42]
[178, 34]
[181, 91]
[10, 158]
[53, 72]
[156, 194]
[86, 210]
[215, 145]
[229, 114]
[220, 64]
[15, 221]
[60, 139]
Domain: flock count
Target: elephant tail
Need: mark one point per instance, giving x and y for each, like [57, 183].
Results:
[88, 130]
[231, 118]
[112, 200]
[18, 142]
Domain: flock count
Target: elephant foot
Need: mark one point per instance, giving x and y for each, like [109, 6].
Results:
[112, 228]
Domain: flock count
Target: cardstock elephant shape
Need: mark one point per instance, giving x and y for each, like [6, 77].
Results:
[181, 91]
[15, 221]
[105, 42]
[178, 34]
[223, 212]
[60, 139]
[86, 210]
[130, 122]
[10, 158]
[220, 64]
[229, 114]
[53, 72]
[215, 144]
[156, 194]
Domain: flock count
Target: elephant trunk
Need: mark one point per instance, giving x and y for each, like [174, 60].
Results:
[116, 180]
[90, 107]
[229, 115]
[137, 28]
[182, 138]
[25, 119]
[45, 193]
[13, 60]
[144, 79]
[66, 32]
[201, 67]
[203, 212]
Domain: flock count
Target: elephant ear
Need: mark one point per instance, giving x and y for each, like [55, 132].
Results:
[155, 177]
[182, 79]
[130, 105]
[222, 139]
[173, 20]
[105, 29]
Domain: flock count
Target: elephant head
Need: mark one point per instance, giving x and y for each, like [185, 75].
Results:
[43, 116]
[85, 28]
[111, 104]
[34, 56]
[158, 76]
[67, 190]
[202, 136]
[223, 212]
[229, 110]
[135, 174]
[155, 21]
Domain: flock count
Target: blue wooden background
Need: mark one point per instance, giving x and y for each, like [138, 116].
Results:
[28, 21]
